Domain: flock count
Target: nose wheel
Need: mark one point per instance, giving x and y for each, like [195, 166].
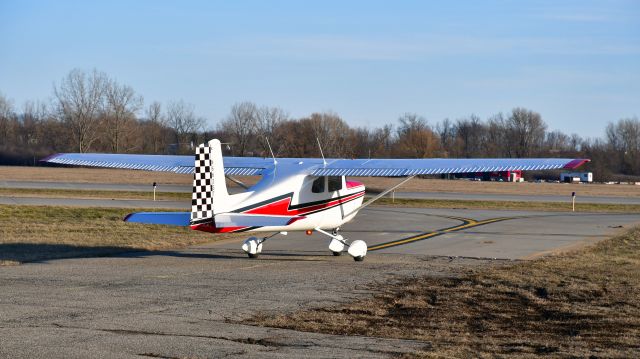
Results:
[356, 249]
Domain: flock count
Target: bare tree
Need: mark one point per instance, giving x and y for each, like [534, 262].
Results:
[121, 105]
[415, 137]
[557, 142]
[447, 133]
[331, 131]
[624, 138]
[575, 142]
[80, 102]
[7, 116]
[268, 120]
[158, 122]
[470, 133]
[383, 141]
[496, 145]
[525, 131]
[241, 125]
[182, 119]
[33, 113]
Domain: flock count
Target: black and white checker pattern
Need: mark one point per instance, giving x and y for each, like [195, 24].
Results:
[202, 196]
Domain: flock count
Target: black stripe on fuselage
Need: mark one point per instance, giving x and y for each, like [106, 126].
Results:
[292, 206]
[313, 212]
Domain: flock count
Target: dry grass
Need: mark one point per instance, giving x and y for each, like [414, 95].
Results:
[32, 233]
[525, 188]
[399, 202]
[91, 175]
[69, 193]
[103, 175]
[510, 205]
[579, 304]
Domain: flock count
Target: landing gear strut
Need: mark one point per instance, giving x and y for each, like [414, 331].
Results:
[253, 245]
[357, 249]
[337, 244]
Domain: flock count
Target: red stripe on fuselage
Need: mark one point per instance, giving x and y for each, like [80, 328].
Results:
[210, 227]
[283, 207]
[280, 207]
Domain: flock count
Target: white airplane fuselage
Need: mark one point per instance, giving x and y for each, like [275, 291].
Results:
[321, 202]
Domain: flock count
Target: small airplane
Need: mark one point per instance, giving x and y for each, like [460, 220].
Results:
[294, 194]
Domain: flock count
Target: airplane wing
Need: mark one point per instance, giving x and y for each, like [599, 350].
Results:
[240, 166]
[430, 166]
[249, 166]
[222, 220]
[166, 218]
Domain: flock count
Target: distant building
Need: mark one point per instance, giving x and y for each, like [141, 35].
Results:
[501, 176]
[576, 177]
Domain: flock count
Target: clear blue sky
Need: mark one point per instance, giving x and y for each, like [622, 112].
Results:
[575, 62]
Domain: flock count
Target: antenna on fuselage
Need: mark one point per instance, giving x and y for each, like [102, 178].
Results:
[324, 162]
[275, 162]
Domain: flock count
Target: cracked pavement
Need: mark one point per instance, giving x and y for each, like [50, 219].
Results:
[192, 302]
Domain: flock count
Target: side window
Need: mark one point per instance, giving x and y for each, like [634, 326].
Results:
[335, 183]
[318, 185]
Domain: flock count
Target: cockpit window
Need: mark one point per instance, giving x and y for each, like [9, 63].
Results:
[318, 185]
[335, 183]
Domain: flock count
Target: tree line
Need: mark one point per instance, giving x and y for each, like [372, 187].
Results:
[91, 112]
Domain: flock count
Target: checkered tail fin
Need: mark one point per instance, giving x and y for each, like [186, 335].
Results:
[210, 194]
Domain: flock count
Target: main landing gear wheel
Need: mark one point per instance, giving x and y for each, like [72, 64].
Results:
[253, 246]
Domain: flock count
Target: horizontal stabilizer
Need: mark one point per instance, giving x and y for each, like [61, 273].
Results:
[166, 218]
[253, 220]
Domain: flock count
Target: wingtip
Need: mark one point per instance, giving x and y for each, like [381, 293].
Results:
[50, 157]
[576, 163]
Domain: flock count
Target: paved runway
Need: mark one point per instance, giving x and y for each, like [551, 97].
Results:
[95, 186]
[189, 303]
[85, 202]
[399, 194]
[465, 233]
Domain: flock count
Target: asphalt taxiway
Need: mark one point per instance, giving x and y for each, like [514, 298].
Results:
[192, 302]
[398, 194]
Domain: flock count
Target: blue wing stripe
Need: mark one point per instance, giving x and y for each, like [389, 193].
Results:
[248, 166]
[393, 167]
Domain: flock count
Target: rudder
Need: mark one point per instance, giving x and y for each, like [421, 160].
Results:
[210, 194]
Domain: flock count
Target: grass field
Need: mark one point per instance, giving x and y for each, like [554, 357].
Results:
[582, 304]
[510, 205]
[421, 203]
[90, 175]
[33, 233]
[74, 193]
[102, 175]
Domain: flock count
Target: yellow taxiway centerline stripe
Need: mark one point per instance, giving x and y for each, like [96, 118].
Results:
[469, 223]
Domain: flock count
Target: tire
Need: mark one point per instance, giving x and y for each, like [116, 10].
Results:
[336, 253]
[253, 256]
[358, 259]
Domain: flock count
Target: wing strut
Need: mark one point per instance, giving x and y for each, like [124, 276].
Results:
[380, 195]
[237, 181]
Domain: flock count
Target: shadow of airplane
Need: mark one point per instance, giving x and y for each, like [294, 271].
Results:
[42, 252]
